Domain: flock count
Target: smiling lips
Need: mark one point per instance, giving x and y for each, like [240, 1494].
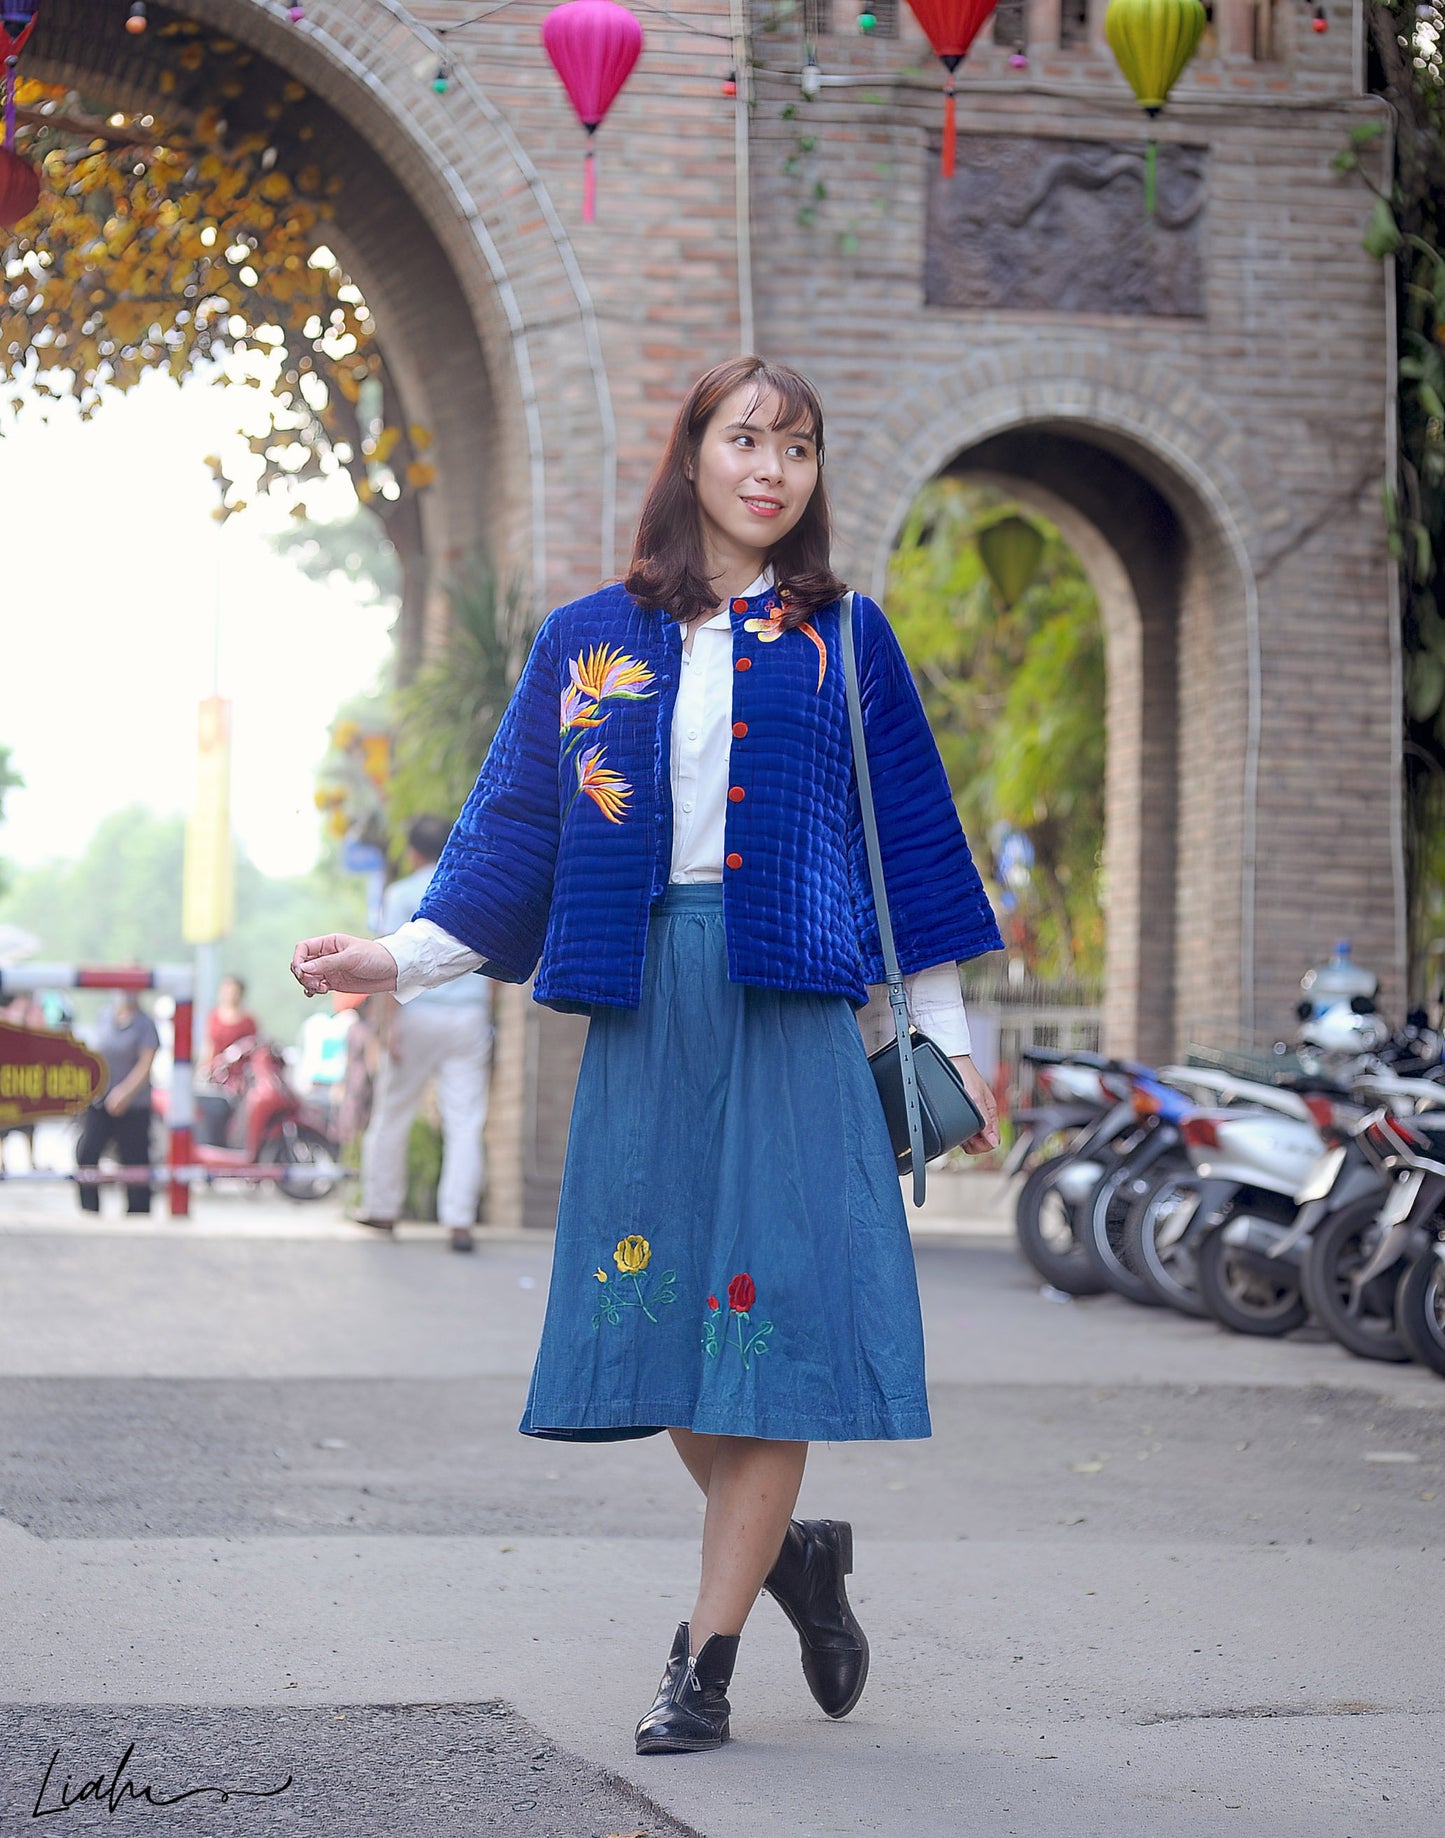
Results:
[763, 507]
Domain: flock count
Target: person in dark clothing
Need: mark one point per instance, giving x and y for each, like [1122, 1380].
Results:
[127, 1041]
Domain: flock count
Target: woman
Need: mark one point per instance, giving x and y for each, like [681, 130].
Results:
[667, 820]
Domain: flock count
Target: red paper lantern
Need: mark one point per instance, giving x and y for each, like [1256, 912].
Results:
[593, 45]
[952, 26]
[19, 188]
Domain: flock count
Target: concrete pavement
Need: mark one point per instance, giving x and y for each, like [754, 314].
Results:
[1146, 1577]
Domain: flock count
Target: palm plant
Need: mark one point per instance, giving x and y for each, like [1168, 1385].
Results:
[449, 711]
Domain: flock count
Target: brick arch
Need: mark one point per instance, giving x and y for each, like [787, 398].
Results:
[483, 314]
[1176, 527]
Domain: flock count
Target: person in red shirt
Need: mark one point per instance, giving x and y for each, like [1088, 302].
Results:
[227, 1023]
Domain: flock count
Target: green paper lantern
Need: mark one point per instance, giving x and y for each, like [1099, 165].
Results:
[1152, 41]
[1011, 551]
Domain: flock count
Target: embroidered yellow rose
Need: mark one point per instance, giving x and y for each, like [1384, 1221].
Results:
[632, 1255]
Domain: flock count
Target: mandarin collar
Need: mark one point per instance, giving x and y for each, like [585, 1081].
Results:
[758, 590]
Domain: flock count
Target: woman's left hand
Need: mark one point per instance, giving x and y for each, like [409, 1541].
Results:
[979, 1089]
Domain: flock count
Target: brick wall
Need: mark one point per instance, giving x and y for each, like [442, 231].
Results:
[1252, 723]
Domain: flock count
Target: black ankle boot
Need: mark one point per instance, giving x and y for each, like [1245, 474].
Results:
[807, 1584]
[691, 1711]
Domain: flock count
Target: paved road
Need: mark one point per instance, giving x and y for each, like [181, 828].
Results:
[263, 1507]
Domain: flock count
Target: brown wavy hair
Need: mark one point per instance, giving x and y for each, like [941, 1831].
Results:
[669, 567]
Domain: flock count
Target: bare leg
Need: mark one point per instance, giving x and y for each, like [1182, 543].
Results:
[697, 1453]
[752, 1488]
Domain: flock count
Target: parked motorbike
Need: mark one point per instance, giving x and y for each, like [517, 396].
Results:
[1047, 1213]
[1164, 1225]
[1420, 1293]
[1070, 1096]
[1401, 1243]
[1133, 1164]
[1251, 1165]
[1352, 1263]
[270, 1126]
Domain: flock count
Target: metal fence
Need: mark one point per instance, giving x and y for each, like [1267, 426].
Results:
[1006, 1016]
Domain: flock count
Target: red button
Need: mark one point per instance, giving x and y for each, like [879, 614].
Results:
[736, 794]
[740, 729]
[743, 663]
[740, 606]
[734, 861]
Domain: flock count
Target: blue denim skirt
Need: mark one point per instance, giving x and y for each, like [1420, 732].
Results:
[732, 1253]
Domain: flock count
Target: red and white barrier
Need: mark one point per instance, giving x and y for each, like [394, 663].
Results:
[174, 980]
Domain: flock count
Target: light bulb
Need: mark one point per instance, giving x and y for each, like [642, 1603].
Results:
[812, 79]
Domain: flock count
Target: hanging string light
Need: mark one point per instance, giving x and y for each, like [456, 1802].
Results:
[135, 19]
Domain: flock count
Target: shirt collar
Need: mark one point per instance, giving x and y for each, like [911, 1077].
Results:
[761, 586]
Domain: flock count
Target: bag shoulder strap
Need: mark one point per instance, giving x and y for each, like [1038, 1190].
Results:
[897, 1000]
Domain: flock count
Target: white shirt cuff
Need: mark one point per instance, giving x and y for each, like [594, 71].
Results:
[935, 1006]
[426, 956]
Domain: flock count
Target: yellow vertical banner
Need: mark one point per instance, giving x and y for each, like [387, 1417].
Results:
[208, 898]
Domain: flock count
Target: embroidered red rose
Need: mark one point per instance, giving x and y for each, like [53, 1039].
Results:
[742, 1293]
[714, 1304]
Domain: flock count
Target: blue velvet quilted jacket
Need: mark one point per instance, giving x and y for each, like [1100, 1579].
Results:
[566, 838]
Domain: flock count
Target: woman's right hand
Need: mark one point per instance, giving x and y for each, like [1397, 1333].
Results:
[348, 966]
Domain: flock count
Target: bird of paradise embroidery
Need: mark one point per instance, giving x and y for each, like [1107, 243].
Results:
[596, 675]
[578, 711]
[608, 790]
[769, 630]
[604, 671]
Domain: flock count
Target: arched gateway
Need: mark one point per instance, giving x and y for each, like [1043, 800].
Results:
[1199, 398]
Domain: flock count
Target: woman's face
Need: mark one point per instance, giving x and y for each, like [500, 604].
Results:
[753, 481]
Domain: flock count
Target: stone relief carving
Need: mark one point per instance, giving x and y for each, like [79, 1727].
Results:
[1038, 224]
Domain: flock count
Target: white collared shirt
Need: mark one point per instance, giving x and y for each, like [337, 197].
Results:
[700, 754]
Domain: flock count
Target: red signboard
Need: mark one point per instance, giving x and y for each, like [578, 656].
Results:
[45, 1075]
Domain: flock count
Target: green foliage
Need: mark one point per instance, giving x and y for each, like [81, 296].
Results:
[446, 716]
[1016, 700]
[354, 549]
[1407, 223]
[120, 903]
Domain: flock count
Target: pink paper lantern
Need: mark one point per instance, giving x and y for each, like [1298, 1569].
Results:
[593, 45]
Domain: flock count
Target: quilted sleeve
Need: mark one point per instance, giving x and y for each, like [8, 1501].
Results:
[493, 885]
[938, 905]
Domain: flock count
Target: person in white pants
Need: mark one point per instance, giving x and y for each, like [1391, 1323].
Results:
[444, 1033]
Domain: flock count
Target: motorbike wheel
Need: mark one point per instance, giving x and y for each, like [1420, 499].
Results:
[1420, 1310]
[1164, 1262]
[293, 1150]
[1105, 1215]
[1045, 1224]
[1363, 1322]
[1241, 1297]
